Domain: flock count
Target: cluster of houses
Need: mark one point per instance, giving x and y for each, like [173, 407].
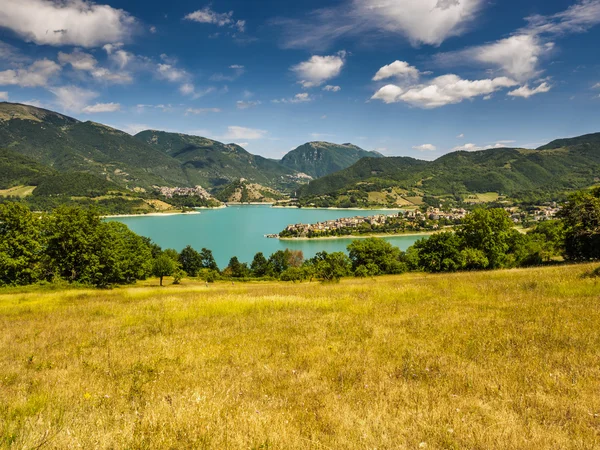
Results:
[537, 214]
[378, 220]
[197, 191]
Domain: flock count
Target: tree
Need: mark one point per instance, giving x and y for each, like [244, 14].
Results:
[331, 266]
[581, 218]
[190, 260]
[551, 236]
[237, 269]
[377, 252]
[490, 231]
[21, 245]
[279, 262]
[440, 252]
[73, 245]
[208, 261]
[295, 257]
[259, 266]
[164, 266]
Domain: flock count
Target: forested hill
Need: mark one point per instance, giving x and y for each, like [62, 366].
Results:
[318, 159]
[562, 165]
[213, 164]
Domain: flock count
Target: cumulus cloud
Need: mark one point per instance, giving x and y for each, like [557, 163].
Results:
[3, 96]
[171, 73]
[73, 98]
[460, 136]
[526, 92]
[207, 15]
[420, 21]
[35, 75]
[102, 108]
[66, 22]
[425, 148]
[188, 89]
[319, 69]
[85, 62]
[330, 88]
[441, 91]
[397, 69]
[197, 111]
[303, 97]
[236, 133]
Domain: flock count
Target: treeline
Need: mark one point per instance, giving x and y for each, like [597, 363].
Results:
[75, 245]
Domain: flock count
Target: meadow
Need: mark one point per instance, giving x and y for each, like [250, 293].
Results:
[482, 360]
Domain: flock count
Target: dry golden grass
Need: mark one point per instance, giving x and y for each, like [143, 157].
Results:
[17, 191]
[502, 360]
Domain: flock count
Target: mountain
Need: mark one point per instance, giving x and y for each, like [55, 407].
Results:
[318, 159]
[243, 191]
[213, 164]
[563, 165]
[66, 144]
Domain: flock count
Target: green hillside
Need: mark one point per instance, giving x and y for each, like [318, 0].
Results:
[213, 164]
[505, 171]
[18, 170]
[318, 159]
[66, 144]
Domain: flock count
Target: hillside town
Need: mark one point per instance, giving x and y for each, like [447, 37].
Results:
[170, 192]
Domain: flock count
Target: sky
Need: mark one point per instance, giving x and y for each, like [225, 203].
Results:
[416, 78]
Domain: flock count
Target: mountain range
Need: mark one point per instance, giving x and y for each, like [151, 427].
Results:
[153, 158]
[55, 154]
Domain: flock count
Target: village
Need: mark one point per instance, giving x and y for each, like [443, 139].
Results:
[432, 219]
[170, 192]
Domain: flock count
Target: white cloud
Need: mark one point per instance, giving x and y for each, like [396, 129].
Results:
[460, 136]
[134, 128]
[526, 92]
[398, 69]
[238, 71]
[420, 21]
[201, 111]
[207, 15]
[241, 104]
[318, 69]
[171, 73]
[85, 62]
[73, 98]
[236, 133]
[596, 86]
[3, 96]
[303, 97]
[578, 18]
[441, 91]
[474, 148]
[188, 89]
[102, 108]
[425, 148]
[152, 29]
[37, 74]
[330, 88]
[66, 22]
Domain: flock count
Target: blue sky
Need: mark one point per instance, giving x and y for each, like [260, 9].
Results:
[404, 77]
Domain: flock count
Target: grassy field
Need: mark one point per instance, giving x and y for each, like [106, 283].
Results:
[501, 360]
[17, 191]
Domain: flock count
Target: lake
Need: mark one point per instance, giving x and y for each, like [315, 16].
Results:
[239, 230]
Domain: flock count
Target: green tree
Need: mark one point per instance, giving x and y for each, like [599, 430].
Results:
[279, 262]
[490, 231]
[377, 252]
[21, 245]
[440, 252]
[163, 266]
[73, 243]
[581, 218]
[259, 266]
[237, 269]
[330, 267]
[208, 261]
[551, 236]
[191, 261]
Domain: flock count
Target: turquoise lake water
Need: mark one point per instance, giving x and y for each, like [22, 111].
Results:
[239, 230]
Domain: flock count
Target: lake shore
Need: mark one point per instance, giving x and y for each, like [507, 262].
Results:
[361, 236]
[340, 209]
[154, 214]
